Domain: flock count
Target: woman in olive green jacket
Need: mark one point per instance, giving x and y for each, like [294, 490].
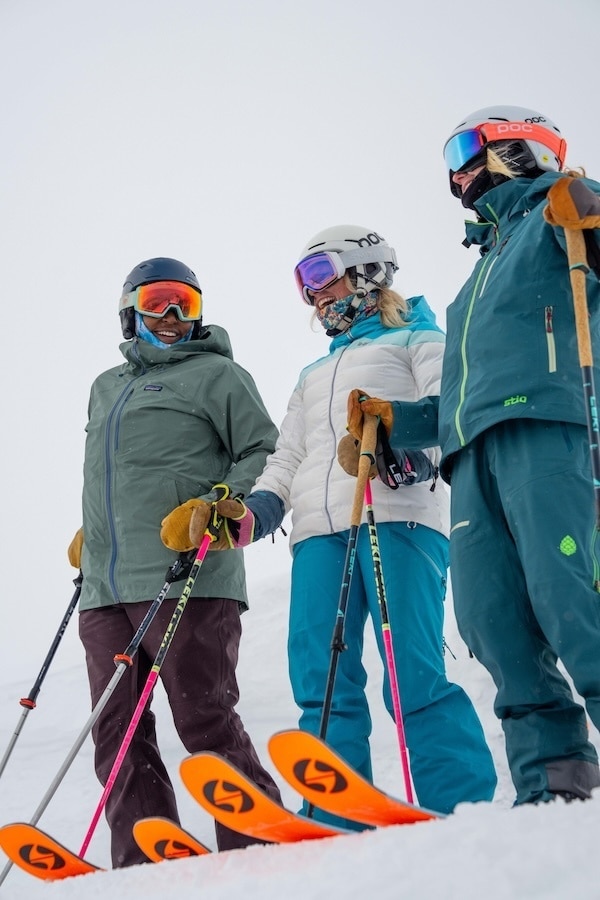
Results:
[178, 417]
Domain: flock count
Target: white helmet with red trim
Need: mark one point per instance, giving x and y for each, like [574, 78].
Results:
[532, 141]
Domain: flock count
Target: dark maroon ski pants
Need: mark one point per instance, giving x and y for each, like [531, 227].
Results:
[198, 674]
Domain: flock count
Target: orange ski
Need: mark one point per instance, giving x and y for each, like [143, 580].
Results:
[323, 778]
[161, 838]
[40, 855]
[235, 801]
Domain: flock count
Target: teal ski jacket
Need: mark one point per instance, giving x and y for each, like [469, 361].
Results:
[511, 344]
[163, 427]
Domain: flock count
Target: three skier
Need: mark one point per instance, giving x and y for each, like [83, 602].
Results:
[501, 395]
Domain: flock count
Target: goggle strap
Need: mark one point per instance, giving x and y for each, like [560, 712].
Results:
[355, 257]
[524, 131]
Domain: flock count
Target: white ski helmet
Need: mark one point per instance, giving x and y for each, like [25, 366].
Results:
[367, 258]
[538, 144]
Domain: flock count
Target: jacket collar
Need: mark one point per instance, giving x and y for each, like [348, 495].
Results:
[504, 206]
[141, 354]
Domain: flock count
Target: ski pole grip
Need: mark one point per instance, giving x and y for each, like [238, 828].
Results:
[365, 461]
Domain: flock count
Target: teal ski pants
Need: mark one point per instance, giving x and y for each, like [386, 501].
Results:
[524, 566]
[449, 758]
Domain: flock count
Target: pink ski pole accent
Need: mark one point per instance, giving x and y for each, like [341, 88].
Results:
[387, 642]
[147, 689]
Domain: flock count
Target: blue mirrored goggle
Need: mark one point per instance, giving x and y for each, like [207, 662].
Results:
[462, 148]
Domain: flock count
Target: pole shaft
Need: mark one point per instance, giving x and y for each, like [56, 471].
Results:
[387, 641]
[578, 268]
[29, 702]
[172, 575]
[147, 690]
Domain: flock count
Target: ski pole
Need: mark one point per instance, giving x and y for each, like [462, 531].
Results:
[366, 459]
[574, 207]
[210, 535]
[387, 640]
[178, 570]
[29, 702]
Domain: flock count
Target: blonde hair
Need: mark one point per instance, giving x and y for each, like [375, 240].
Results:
[499, 163]
[392, 308]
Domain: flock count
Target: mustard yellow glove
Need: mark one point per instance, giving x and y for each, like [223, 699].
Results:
[572, 204]
[201, 516]
[175, 528]
[348, 454]
[236, 528]
[75, 548]
[359, 404]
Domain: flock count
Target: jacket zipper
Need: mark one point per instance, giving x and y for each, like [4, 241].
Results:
[549, 325]
[476, 295]
[334, 454]
[111, 443]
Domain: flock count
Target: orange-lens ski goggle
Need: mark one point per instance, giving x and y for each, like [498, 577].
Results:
[156, 298]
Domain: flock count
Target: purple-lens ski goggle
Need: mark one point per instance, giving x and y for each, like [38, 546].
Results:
[317, 272]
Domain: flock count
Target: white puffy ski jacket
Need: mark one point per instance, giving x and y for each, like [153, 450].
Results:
[389, 363]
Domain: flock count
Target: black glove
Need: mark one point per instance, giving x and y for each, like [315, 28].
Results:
[402, 467]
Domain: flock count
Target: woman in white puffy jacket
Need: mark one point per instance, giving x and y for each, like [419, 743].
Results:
[391, 348]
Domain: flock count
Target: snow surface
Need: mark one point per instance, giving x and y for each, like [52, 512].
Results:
[483, 850]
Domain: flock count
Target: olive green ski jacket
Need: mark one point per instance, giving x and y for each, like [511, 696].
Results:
[163, 427]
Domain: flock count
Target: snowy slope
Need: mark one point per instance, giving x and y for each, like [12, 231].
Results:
[488, 849]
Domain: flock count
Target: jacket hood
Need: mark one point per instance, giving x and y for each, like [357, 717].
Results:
[420, 317]
[214, 339]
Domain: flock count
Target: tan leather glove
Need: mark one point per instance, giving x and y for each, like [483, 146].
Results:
[235, 525]
[75, 548]
[572, 204]
[360, 403]
[175, 528]
[348, 454]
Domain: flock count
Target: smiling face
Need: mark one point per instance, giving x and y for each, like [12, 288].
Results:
[169, 328]
[323, 299]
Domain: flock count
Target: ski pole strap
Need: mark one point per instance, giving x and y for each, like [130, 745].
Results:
[214, 523]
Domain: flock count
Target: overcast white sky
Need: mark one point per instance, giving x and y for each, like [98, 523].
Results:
[225, 134]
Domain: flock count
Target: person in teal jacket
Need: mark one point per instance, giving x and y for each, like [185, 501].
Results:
[176, 419]
[524, 549]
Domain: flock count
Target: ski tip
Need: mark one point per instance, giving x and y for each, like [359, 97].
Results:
[162, 839]
[324, 778]
[41, 855]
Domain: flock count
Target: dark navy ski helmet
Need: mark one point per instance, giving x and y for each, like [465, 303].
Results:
[160, 268]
